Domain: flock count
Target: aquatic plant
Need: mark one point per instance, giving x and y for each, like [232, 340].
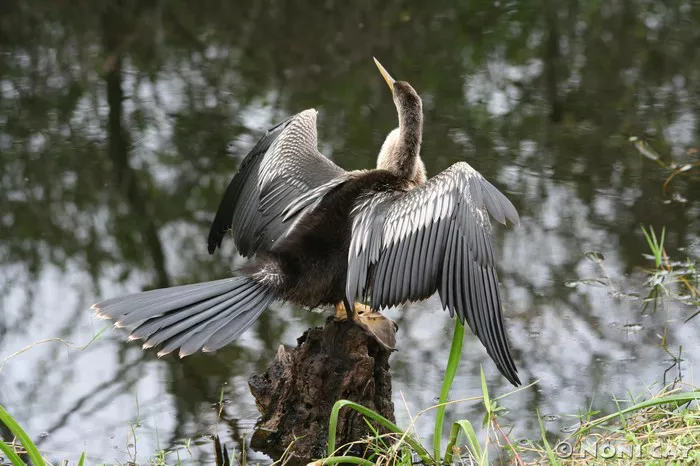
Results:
[673, 169]
[401, 447]
[665, 427]
[669, 417]
[668, 277]
[26, 446]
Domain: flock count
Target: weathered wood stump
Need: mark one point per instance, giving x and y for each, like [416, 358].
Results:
[297, 392]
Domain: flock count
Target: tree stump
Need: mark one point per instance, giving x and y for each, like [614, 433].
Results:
[296, 393]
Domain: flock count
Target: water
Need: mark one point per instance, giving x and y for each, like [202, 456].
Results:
[542, 99]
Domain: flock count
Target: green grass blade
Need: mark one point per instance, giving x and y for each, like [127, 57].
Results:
[653, 236]
[450, 371]
[10, 454]
[487, 399]
[652, 244]
[680, 398]
[333, 426]
[623, 421]
[18, 432]
[346, 460]
[661, 243]
[646, 236]
[472, 442]
[553, 460]
[81, 461]
[452, 440]
[406, 456]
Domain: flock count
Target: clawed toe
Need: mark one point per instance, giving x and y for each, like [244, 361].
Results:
[379, 327]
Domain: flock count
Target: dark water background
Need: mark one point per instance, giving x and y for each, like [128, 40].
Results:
[121, 123]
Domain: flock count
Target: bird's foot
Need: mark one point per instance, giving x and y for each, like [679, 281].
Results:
[381, 328]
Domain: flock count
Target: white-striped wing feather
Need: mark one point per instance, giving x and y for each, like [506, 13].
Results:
[435, 238]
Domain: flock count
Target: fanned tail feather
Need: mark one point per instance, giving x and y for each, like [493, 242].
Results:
[203, 316]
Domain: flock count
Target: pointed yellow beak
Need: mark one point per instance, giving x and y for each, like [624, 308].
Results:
[385, 74]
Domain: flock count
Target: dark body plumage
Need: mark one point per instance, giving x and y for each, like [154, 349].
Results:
[309, 266]
[317, 235]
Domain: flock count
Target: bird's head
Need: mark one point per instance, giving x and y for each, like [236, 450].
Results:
[405, 97]
[400, 152]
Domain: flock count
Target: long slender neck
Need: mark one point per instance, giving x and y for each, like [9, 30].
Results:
[410, 138]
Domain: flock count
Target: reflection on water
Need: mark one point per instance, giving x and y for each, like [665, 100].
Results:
[120, 126]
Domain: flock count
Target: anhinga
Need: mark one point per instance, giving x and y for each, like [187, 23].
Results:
[319, 235]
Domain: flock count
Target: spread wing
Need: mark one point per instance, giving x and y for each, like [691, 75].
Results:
[283, 166]
[407, 245]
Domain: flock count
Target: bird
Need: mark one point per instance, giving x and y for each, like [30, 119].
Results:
[316, 235]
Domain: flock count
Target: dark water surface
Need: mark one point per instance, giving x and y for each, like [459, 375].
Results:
[121, 124]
